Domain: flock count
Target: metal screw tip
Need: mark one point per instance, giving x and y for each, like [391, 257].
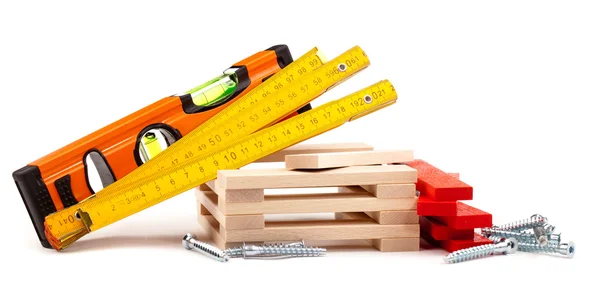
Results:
[187, 239]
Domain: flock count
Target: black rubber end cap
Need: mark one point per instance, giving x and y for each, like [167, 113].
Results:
[284, 56]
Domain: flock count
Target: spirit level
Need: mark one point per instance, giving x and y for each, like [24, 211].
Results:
[60, 179]
[196, 158]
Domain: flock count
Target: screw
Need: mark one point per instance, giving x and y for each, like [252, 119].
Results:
[191, 243]
[506, 246]
[567, 249]
[521, 236]
[237, 252]
[274, 251]
[540, 235]
[549, 228]
[534, 221]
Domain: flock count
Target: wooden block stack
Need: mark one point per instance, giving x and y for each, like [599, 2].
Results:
[374, 200]
[444, 220]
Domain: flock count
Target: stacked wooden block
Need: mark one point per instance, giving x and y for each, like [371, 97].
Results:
[445, 220]
[373, 199]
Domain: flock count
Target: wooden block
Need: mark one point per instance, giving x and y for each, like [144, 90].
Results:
[439, 231]
[315, 148]
[209, 201]
[321, 230]
[237, 195]
[394, 217]
[315, 203]
[282, 178]
[204, 187]
[211, 226]
[439, 185]
[346, 159]
[467, 217]
[385, 190]
[397, 244]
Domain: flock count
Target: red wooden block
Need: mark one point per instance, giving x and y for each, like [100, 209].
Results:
[439, 231]
[439, 185]
[454, 245]
[429, 207]
[467, 217]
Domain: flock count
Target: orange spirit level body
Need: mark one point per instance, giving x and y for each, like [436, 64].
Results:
[60, 179]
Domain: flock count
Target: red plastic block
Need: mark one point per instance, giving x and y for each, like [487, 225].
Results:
[454, 245]
[467, 217]
[439, 231]
[429, 207]
[439, 185]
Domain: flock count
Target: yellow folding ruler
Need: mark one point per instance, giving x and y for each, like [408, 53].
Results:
[241, 134]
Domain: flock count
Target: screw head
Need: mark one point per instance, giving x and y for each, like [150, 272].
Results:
[186, 241]
[544, 219]
[570, 248]
[512, 244]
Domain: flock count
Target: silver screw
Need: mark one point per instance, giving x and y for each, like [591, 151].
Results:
[567, 249]
[273, 251]
[549, 228]
[520, 236]
[238, 252]
[540, 235]
[553, 239]
[191, 243]
[534, 221]
[506, 246]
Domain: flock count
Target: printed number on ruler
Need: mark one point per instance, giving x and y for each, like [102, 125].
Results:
[104, 211]
[256, 116]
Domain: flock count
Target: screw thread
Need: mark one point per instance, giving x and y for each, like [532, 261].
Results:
[521, 225]
[470, 253]
[209, 250]
[567, 249]
[520, 236]
[540, 235]
[235, 252]
[291, 251]
[552, 247]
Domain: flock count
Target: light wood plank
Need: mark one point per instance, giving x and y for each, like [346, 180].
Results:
[237, 195]
[211, 226]
[282, 178]
[209, 201]
[395, 217]
[346, 159]
[321, 230]
[315, 148]
[314, 203]
[384, 190]
[397, 244]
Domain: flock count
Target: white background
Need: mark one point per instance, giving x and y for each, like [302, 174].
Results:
[503, 92]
